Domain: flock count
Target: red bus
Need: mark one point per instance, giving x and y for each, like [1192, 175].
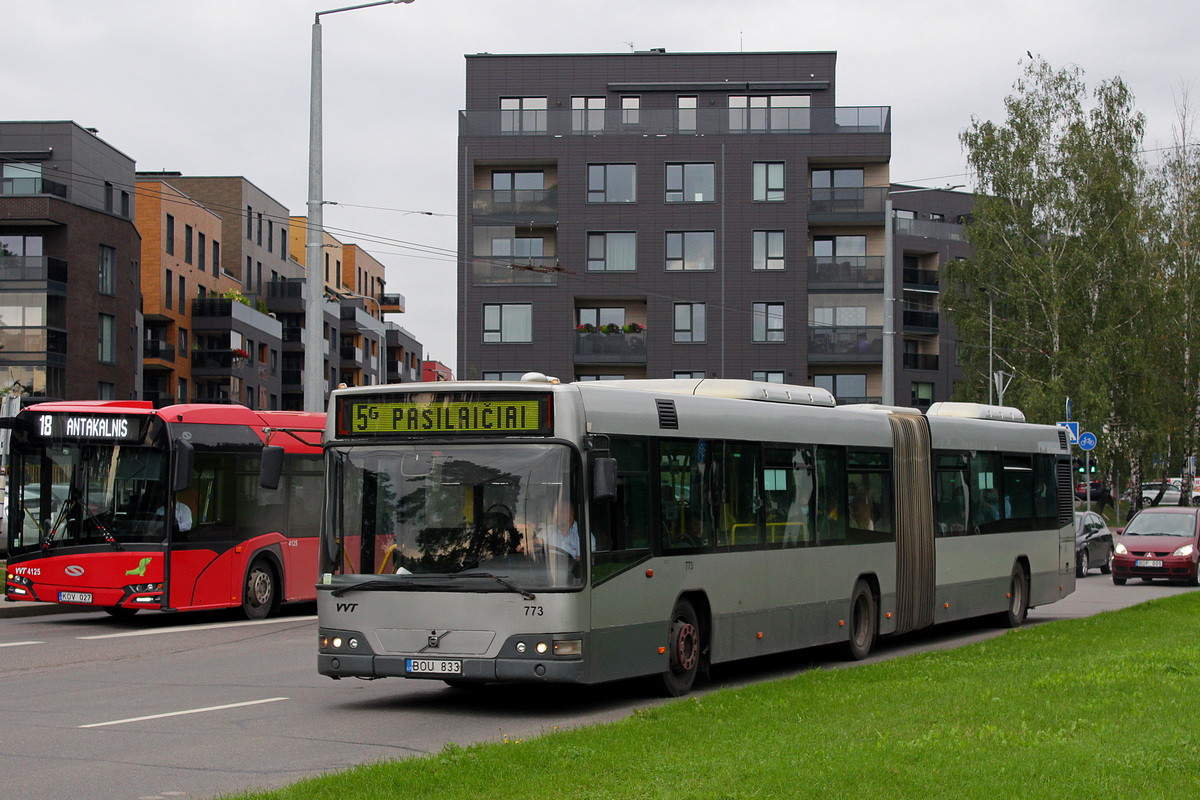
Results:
[123, 506]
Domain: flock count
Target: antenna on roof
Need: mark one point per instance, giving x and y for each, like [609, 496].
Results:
[630, 46]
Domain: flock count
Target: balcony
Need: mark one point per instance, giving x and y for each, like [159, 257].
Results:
[156, 348]
[845, 343]
[392, 302]
[33, 268]
[849, 120]
[921, 321]
[223, 360]
[159, 399]
[923, 361]
[32, 186]
[929, 229]
[501, 271]
[921, 280]
[845, 274]
[851, 205]
[526, 205]
[610, 348]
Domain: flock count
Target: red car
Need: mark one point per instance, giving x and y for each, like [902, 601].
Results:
[1159, 542]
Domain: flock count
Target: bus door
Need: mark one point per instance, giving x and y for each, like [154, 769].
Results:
[912, 476]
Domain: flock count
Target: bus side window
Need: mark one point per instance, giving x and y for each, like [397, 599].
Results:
[788, 489]
[619, 527]
[831, 495]
[738, 494]
[986, 510]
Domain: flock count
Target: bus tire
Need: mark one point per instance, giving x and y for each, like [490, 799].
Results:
[260, 595]
[864, 621]
[1018, 598]
[120, 612]
[684, 647]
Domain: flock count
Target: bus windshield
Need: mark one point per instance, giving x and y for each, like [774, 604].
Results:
[419, 512]
[69, 494]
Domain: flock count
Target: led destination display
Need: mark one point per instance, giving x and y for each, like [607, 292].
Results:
[443, 415]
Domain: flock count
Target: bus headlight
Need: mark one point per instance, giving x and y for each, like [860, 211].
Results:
[568, 647]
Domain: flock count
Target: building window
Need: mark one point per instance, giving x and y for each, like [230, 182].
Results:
[108, 339]
[502, 376]
[922, 394]
[216, 261]
[599, 317]
[168, 288]
[507, 323]
[522, 115]
[182, 396]
[768, 181]
[771, 113]
[183, 342]
[690, 183]
[768, 250]
[249, 222]
[601, 377]
[690, 250]
[125, 204]
[612, 252]
[903, 213]
[631, 110]
[838, 189]
[612, 183]
[200, 251]
[850, 250]
[686, 375]
[687, 114]
[108, 270]
[689, 322]
[187, 244]
[283, 242]
[587, 114]
[182, 295]
[270, 236]
[519, 247]
[845, 388]
[106, 391]
[767, 375]
[840, 316]
[260, 221]
[169, 244]
[520, 187]
[767, 322]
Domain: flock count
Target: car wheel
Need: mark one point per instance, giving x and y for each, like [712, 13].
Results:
[1081, 564]
[1118, 581]
[1194, 578]
[1106, 567]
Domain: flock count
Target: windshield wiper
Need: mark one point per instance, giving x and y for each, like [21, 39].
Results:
[525, 593]
[377, 584]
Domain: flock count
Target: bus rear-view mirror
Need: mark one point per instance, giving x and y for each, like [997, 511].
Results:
[271, 468]
[604, 479]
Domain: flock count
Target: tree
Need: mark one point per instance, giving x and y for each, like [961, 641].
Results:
[1056, 291]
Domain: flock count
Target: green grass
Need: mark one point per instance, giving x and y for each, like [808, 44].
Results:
[1099, 707]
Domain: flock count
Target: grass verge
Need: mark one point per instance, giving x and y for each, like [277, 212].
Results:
[1090, 708]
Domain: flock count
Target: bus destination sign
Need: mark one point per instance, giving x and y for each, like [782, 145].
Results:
[455, 416]
[114, 428]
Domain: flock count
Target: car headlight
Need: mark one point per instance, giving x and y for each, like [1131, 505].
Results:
[1186, 550]
[1120, 549]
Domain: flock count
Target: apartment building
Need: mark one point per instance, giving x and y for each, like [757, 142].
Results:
[70, 315]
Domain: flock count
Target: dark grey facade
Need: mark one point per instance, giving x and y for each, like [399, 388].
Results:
[69, 264]
[697, 202]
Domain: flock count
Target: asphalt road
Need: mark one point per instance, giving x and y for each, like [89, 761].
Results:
[190, 706]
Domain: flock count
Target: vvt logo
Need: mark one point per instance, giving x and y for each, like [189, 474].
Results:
[347, 606]
[74, 570]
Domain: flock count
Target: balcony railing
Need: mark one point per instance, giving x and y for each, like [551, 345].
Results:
[929, 229]
[845, 343]
[392, 300]
[920, 361]
[926, 320]
[848, 202]
[610, 348]
[654, 122]
[520, 203]
[32, 268]
[156, 348]
[516, 271]
[32, 186]
[921, 278]
[218, 359]
[845, 273]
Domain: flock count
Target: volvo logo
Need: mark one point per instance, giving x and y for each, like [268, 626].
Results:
[74, 570]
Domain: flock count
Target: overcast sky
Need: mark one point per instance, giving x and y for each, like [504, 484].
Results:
[221, 87]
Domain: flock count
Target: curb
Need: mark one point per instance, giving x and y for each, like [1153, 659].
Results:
[20, 609]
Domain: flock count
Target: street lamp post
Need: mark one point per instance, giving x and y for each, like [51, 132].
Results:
[314, 307]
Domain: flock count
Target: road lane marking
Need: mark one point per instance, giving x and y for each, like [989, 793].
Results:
[189, 628]
[181, 713]
[17, 644]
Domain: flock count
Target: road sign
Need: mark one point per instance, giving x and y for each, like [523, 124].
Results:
[1087, 441]
[1072, 430]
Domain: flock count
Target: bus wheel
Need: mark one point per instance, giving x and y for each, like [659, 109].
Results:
[1018, 598]
[261, 593]
[120, 612]
[683, 651]
[864, 622]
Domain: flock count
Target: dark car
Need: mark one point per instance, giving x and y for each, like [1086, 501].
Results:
[1098, 490]
[1093, 544]
[1159, 542]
